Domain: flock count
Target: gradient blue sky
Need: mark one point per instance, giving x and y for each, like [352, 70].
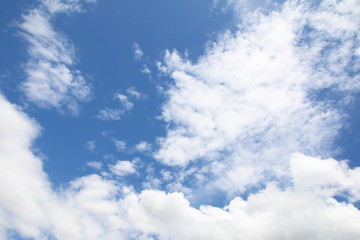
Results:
[209, 119]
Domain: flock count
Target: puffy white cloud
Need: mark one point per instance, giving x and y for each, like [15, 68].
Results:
[23, 183]
[273, 213]
[328, 177]
[143, 146]
[122, 168]
[52, 80]
[250, 101]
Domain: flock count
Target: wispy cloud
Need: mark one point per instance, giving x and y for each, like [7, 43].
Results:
[143, 146]
[131, 91]
[97, 165]
[52, 80]
[120, 145]
[90, 145]
[110, 114]
[145, 69]
[124, 101]
[137, 52]
[125, 105]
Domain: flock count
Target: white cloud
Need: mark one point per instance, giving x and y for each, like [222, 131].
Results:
[122, 168]
[95, 164]
[58, 6]
[120, 145]
[90, 146]
[143, 146]
[166, 175]
[248, 103]
[124, 101]
[272, 213]
[133, 93]
[110, 114]
[116, 113]
[242, 6]
[137, 51]
[92, 207]
[52, 80]
[145, 69]
[240, 112]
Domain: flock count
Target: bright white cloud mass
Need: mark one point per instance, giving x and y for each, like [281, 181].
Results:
[254, 120]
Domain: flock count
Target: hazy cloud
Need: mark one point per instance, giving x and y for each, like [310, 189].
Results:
[137, 51]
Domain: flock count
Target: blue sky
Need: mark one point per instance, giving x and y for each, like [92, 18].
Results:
[209, 119]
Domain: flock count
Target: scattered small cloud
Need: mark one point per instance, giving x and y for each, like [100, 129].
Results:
[124, 101]
[90, 146]
[131, 91]
[120, 145]
[143, 146]
[110, 114]
[166, 175]
[137, 52]
[125, 105]
[145, 69]
[97, 165]
[122, 168]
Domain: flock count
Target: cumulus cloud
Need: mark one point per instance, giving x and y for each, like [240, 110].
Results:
[122, 168]
[249, 102]
[52, 80]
